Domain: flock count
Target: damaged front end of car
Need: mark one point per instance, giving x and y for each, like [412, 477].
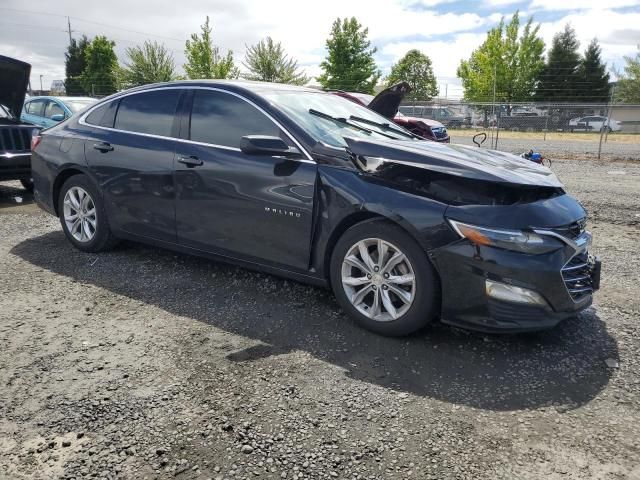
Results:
[520, 259]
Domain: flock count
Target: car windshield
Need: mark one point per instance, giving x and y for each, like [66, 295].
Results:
[77, 104]
[298, 105]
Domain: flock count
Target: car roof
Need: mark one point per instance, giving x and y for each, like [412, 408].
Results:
[248, 85]
[62, 99]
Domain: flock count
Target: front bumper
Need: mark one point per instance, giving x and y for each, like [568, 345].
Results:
[464, 269]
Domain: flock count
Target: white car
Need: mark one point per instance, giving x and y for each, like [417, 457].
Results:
[594, 124]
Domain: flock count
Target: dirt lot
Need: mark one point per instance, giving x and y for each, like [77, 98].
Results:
[142, 363]
[583, 145]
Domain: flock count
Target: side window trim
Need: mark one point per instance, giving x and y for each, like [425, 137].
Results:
[82, 121]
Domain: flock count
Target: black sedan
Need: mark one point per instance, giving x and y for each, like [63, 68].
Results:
[311, 186]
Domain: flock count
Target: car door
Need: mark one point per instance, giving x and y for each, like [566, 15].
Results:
[255, 207]
[132, 156]
[34, 112]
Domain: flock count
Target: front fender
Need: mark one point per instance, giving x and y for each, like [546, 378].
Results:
[346, 196]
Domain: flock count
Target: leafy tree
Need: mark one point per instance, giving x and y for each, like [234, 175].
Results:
[349, 64]
[628, 87]
[415, 69]
[560, 79]
[149, 63]
[512, 57]
[593, 77]
[101, 69]
[268, 62]
[204, 59]
[74, 65]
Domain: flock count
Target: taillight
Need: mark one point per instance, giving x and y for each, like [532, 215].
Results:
[35, 141]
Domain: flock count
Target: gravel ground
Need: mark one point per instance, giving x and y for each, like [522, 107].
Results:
[556, 148]
[142, 363]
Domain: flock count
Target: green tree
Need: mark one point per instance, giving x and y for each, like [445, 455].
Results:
[268, 62]
[593, 77]
[101, 69]
[349, 64]
[628, 87]
[415, 69]
[560, 80]
[149, 63]
[74, 65]
[204, 59]
[510, 55]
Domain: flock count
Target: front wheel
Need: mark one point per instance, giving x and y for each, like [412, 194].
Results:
[383, 279]
[83, 217]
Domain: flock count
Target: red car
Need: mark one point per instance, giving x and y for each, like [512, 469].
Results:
[386, 103]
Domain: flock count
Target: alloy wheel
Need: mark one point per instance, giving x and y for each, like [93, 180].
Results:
[80, 214]
[378, 279]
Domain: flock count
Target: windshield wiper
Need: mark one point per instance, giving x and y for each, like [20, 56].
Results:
[344, 121]
[385, 126]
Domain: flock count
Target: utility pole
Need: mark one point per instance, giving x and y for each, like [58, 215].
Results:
[605, 127]
[493, 106]
[69, 30]
[41, 84]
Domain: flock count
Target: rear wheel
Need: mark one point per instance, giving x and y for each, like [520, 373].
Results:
[383, 279]
[83, 217]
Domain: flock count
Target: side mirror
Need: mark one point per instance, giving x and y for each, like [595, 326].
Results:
[58, 117]
[267, 145]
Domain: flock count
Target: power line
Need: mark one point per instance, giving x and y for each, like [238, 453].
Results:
[31, 12]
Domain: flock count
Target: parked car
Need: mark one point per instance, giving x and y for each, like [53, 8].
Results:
[442, 114]
[15, 136]
[49, 111]
[313, 187]
[387, 104]
[594, 123]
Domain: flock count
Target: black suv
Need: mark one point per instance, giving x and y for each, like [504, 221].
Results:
[15, 137]
[311, 186]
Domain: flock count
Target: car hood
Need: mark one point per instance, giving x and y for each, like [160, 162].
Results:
[14, 81]
[386, 103]
[427, 121]
[458, 160]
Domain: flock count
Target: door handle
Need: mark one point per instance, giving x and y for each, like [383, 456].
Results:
[190, 161]
[103, 147]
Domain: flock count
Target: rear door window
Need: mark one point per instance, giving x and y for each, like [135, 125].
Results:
[148, 112]
[104, 115]
[36, 107]
[220, 118]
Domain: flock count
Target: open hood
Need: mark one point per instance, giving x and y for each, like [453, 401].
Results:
[14, 81]
[475, 163]
[386, 103]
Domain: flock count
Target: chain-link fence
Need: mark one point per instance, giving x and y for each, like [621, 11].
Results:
[561, 130]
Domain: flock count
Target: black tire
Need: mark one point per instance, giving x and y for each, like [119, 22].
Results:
[426, 301]
[27, 184]
[102, 239]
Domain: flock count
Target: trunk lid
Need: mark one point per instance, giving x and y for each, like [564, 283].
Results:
[14, 82]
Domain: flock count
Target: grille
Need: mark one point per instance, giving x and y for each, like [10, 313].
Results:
[577, 276]
[15, 139]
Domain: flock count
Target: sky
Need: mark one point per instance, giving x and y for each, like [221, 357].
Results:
[446, 30]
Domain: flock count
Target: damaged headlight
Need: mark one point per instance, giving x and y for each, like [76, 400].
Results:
[516, 240]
